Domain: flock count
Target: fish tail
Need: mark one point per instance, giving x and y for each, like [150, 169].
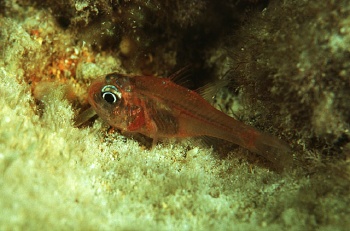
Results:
[273, 149]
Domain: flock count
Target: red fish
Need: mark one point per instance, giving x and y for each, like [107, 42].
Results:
[159, 108]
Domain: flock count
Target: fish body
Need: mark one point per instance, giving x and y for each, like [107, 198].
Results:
[159, 108]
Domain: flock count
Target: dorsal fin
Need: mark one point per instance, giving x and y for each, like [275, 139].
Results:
[209, 90]
[181, 76]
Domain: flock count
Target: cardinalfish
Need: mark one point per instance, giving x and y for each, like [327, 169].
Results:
[160, 108]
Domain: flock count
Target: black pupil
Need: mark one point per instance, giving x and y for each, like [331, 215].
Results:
[109, 97]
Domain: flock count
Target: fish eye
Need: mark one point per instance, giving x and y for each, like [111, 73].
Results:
[111, 94]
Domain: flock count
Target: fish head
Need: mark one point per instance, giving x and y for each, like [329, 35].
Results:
[108, 97]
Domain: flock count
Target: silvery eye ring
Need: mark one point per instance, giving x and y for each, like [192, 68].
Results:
[110, 94]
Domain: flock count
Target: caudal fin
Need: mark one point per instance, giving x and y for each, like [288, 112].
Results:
[273, 149]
